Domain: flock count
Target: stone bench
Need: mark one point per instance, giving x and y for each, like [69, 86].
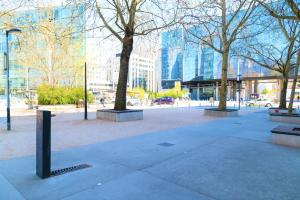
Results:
[285, 135]
[285, 118]
[281, 111]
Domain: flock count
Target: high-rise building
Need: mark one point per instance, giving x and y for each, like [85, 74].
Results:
[47, 51]
[141, 73]
[198, 67]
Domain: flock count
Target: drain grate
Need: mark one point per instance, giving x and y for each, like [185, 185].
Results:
[237, 123]
[69, 169]
[166, 144]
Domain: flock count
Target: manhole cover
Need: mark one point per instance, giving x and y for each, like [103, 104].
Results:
[166, 144]
[69, 169]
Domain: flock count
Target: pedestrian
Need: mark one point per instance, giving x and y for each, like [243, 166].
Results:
[102, 101]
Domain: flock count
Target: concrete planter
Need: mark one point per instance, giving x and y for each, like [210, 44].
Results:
[285, 118]
[120, 116]
[280, 111]
[288, 136]
[214, 112]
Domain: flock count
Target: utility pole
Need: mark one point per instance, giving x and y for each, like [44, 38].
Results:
[85, 93]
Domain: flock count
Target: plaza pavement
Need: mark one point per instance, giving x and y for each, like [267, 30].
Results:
[203, 159]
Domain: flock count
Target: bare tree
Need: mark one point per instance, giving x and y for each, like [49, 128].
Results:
[52, 50]
[275, 52]
[7, 8]
[125, 19]
[218, 24]
[285, 10]
[274, 7]
[295, 79]
[56, 55]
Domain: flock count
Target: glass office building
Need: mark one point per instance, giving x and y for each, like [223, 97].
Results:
[198, 66]
[171, 57]
[28, 74]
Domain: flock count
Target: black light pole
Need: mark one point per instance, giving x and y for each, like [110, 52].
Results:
[85, 94]
[7, 78]
[239, 82]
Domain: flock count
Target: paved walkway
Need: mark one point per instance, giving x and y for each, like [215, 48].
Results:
[70, 130]
[204, 159]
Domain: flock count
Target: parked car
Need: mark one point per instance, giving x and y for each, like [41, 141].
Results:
[133, 102]
[163, 100]
[259, 102]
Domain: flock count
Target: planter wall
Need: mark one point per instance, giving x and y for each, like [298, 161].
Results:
[120, 116]
[284, 118]
[287, 136]
[280, 111]
[214, 112]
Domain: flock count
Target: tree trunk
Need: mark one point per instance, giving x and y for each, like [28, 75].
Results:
[223, 89]
[292, 97]
[127, 45]
[284, 85]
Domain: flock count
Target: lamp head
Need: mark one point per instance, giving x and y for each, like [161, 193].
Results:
[13, 30]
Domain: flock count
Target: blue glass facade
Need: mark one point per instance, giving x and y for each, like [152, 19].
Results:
[201, 64]
[171, 56]
[27, 20]
[182, 60]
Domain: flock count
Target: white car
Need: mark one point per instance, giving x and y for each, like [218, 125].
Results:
[259, 102]
[133, 102]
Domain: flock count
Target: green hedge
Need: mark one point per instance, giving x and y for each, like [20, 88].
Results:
[2, 91]
[57, 95]
[175, 93]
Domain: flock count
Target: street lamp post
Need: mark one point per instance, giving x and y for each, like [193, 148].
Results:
[85, 93]
[7, 77]
[239, 82]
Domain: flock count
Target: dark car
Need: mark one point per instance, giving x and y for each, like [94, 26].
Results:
[163, 100]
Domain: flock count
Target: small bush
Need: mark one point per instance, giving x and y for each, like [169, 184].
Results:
[137, 93]
[2, 91]
[48, 95]
[175, 93]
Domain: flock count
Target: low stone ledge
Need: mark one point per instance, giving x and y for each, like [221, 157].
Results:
[288, 136]
[120, 116]
[281, 111]
[285, 118]
[214, 112]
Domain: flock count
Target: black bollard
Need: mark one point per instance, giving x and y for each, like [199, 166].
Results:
[43, 144]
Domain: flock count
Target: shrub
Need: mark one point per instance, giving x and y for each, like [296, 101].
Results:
[175, 93]
[2, 91]
[137, 93]
[48, 95]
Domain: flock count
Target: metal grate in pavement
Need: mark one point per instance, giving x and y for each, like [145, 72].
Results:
[166, 144]
[69, 169]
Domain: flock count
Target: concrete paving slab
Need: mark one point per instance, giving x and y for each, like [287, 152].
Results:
[21, 173]
[70, 130]
[224, 159]
[8, 191]
[236, 169]
[134, 187]
[144, 151]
